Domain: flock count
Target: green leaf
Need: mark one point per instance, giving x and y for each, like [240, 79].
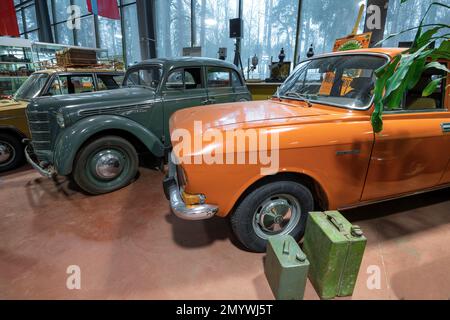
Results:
[431, 87]
[437, 65]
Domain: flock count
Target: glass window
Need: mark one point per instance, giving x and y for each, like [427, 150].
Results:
[32, 87]
[236, 79]
[175, 80]
[414, 100]
[323, 22]
[55, 88]
[193, 78]
[70, 84]
[407, 15]
[110, 34]
[61, 10]
[340, 80]
[33, 36]
[218, 78]
[133, 52]
[173, 25]
[212, 26]
[30, 18]
[108, 82]
[20, 21]
[270, 26]
[86, 35]
[64, 34]
[148, 76]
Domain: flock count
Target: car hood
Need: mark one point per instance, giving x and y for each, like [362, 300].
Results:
[9, 104]
[246, 114]
[99, 99]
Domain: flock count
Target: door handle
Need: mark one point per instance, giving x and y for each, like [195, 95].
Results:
[445, 127]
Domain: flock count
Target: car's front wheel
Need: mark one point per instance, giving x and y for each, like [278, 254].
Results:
[105, 165]
[11, 152]
[277, 208]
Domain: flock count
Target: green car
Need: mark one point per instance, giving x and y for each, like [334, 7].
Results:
[97, 138]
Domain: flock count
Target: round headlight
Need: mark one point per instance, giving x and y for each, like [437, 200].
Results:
[60, 120]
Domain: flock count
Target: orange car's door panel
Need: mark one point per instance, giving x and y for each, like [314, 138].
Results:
[410, 154]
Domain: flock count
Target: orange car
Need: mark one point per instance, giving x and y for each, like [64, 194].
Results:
[321, 138]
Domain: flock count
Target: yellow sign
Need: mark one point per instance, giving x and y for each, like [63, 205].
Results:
[353, 42]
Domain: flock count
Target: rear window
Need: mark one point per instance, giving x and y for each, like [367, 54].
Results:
[219, 78]
[109, 81]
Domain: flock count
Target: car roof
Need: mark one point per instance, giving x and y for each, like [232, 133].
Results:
[390, 52]
[188, 61]
[77, 70]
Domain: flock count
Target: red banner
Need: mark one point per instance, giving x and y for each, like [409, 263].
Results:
[8, 19]
[104, 8]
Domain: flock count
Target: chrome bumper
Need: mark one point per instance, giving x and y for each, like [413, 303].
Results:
[47, 172]
[179, 208]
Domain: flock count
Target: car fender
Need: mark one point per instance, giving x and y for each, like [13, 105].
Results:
[71, 139]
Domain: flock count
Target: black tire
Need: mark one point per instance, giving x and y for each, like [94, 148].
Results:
[244, 219]
[14, 146]
[88, 179]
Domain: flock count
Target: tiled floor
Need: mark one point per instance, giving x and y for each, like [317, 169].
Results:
[129, 246]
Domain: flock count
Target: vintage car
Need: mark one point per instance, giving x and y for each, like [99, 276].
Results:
[97, 138]
[51, 82]
[329, 155]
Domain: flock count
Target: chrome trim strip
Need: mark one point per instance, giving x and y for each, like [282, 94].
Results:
[49, 173]
[445, 127]
[414, 193]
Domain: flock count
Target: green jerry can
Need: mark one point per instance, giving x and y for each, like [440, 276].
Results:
[335, 249]
[286, 268]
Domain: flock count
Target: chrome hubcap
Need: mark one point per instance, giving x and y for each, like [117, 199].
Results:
[108, 164]
[6, 153]
[277, 215]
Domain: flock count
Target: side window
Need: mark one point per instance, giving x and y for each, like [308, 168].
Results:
[108, 82]
[55, 88]
[175, 80]
[189, 78]
[193, 78]
[76, 84]
[236, 79]
[415, 101]
[218, 78]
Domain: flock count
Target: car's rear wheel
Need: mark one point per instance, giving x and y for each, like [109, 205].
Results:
[277, 208]
[11, 152]
[105, 165]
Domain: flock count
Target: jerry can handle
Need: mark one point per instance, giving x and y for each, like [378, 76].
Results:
[286, 246]
[334, 222]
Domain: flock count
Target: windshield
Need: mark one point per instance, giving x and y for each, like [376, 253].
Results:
[32, 87]
[149, 76]
[346, 80]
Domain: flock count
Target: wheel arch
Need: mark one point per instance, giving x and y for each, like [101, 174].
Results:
[88, 129]
[314, 186]
[13, 131]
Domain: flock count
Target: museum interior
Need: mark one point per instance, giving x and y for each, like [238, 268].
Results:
[224, 150]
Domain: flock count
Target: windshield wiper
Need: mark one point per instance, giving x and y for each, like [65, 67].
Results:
[299, 96]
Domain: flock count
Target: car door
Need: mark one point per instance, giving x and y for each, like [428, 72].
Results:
[240, 90]
[413, 150]
[183, 88]
[220, 89]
